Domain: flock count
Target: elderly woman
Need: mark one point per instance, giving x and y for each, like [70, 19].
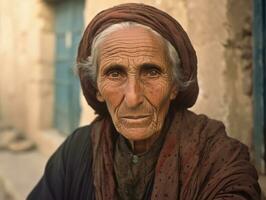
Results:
[138, 71]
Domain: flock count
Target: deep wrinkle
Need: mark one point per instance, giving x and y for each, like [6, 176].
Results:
[135, 82]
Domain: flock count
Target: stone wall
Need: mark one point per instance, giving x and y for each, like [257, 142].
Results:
[26, 54]
[208, 33]
[222, 39]
[238, 74]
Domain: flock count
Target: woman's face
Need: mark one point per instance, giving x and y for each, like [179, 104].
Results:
[135, 81]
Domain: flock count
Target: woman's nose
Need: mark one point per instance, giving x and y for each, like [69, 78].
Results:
[133, 93]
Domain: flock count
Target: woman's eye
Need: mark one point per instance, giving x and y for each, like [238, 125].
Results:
[152, 73]
[114, 74]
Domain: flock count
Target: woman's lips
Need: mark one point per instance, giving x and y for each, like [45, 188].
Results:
[135, 116]
[136, 120]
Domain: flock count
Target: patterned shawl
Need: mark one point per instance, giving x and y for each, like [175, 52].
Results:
[198, 161]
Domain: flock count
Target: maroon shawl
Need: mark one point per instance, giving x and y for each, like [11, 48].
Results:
[159, 21]
[198, 161]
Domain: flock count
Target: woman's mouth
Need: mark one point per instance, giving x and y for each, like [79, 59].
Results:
[136, 120]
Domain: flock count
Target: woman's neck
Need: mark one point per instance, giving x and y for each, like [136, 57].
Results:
[142, 146]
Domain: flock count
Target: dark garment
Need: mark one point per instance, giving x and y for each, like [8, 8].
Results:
[197, 161]
[134, 172]
[68, 173]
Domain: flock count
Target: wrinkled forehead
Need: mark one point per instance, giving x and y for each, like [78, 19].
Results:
[132, 42]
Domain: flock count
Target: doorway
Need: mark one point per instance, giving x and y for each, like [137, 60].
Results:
[68, 29]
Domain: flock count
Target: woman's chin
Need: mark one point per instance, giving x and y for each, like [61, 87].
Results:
[136, 133]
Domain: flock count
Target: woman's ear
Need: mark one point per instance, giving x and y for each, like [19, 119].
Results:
[174, 92]
[99, 96]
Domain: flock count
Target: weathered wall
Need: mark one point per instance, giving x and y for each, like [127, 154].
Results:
[222, 39]
[208, 33]
[26, 53]
[238, 74]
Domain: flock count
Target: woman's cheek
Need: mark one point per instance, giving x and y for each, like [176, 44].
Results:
[112, 95]
[156, 93]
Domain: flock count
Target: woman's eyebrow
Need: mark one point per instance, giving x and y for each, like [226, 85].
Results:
[113, 66]
[151, 66]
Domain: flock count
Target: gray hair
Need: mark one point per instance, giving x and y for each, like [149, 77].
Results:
[90, 65]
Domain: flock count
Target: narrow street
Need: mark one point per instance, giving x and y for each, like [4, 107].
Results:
[19, 172]
[4, 194]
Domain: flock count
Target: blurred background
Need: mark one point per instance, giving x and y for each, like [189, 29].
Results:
[40, 98]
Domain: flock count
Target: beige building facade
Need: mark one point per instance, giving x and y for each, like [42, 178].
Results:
[220, 32]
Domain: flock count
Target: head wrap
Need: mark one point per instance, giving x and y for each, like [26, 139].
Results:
[160, 22]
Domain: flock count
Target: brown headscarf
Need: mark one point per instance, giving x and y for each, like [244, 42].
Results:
[159, 21]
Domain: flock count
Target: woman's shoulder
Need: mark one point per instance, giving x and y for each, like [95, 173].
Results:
[210, 135]
[76, 150]
[72, 152]
[201, 124]
[77, 145]
[66, 168]
[79, 136]
[220, 162]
